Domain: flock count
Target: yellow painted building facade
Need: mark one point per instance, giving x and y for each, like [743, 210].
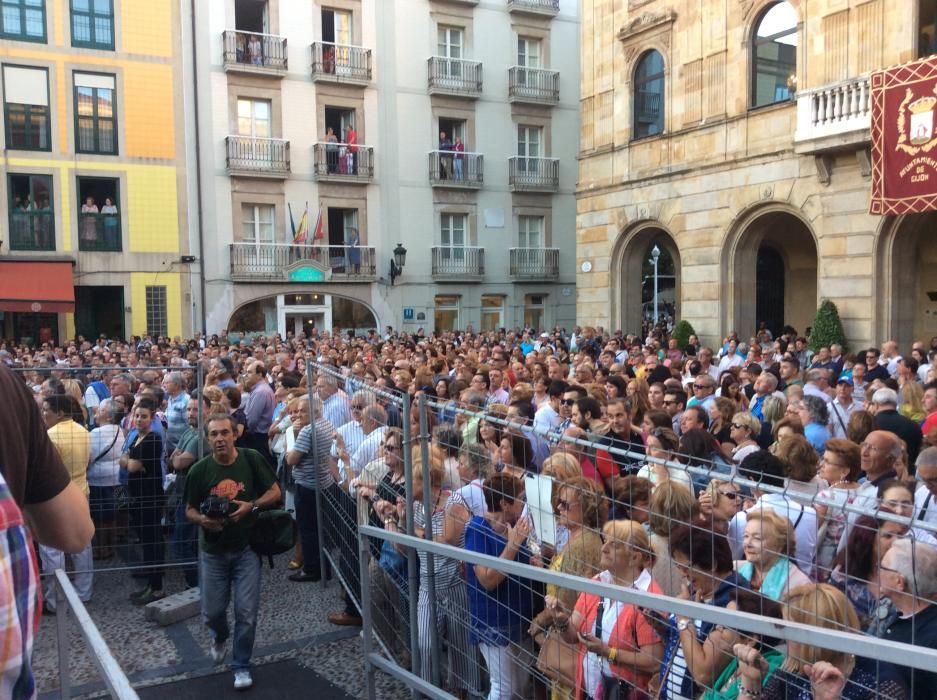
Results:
[93, 164]
[733, 135]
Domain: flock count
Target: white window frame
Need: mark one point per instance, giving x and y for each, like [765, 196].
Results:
[527, 58]
[254, 120]
[256, 223]
[453, 246]
[525, 224]
[492, 311]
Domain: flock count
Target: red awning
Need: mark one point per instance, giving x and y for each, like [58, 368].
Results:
[39, 287]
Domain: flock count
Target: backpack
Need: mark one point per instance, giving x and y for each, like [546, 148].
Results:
[273, 532]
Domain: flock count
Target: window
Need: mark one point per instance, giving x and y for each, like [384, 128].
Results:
[254, 118]
[534, 316]
[251, 16]
[24, 20]
[26, 108]
[529, 149]
[95, 114]
[452, 235]
[156, 313]
[774, 55]
[492, 312]
[528, 52]
[99, 214]
[530, 232]
[447, 313]
[257, 223]
[93, 24]
[336, 26]
[449, 46]
[649, 95]
[32, 219]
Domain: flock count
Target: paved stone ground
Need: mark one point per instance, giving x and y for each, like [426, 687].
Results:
[292, 626]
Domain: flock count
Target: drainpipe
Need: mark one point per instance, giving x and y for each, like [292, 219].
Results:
[198, 176]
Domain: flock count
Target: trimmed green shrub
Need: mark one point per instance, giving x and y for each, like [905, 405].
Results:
[827, 327]
[681, 333]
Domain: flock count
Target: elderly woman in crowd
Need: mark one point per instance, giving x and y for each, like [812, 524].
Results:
[582, 510]
[800, 465]
[840, 468]
[719, 502]
[815, 416]
[104, 473]
[618, 649]
[769, 548]
[468, 501]
[745, 430]
[672, 505]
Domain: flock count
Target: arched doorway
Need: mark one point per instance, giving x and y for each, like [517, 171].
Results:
[772, 274]
[633, 277]
[907, 279]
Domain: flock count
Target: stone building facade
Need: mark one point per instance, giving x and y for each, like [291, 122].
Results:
[745, 158]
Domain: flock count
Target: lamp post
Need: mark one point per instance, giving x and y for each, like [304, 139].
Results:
[655, 254]
[397, 262]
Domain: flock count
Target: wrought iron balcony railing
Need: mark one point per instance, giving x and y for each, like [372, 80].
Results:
[253, 156]
[527, 174]
[273, 262]
[456, 169]
[341, 63]
[252, 52]
[535, 263]
[458, 262]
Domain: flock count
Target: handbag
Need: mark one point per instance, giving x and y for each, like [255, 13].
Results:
[558, 659]
[273, 532]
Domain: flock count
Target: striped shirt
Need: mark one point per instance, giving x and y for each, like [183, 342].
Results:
[446, 568]
[313, 471]
[20, 604]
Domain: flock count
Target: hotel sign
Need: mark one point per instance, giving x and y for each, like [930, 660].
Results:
[904, 139]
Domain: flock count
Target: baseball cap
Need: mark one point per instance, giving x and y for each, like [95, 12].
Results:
[845, 379]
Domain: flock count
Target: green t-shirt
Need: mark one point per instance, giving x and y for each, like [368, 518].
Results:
[246, 479]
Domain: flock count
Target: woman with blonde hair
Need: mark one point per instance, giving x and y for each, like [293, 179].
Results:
[769, 547]
[911, 398]
[618, 648]
[73, 389]
[800, 465]
[814, 671]
[582, 510]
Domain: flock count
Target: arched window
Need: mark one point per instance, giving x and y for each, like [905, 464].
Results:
[774, 55]
[649, 95]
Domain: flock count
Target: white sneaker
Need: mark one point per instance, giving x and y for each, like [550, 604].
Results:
[243, 680]
[218, 652]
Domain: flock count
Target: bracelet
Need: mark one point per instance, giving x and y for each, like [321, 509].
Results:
[612, 654]
[749, 692]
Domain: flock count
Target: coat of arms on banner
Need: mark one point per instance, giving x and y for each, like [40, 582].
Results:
[917, 133]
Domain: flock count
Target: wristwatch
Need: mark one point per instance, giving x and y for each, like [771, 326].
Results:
[685, 623]
[254, 507]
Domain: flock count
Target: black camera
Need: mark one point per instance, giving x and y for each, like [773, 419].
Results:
[216, 507]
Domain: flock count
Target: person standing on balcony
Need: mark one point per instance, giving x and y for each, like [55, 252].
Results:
[89, 221]
[351, 139]
[331, 151]
[255, 52]
[111, 231]
[354, 252]
[445, 156]
[459, 149]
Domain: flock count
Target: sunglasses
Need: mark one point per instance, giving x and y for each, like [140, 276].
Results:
[567, 402]
[669, 403]
[731, 495]
[738, 426]
[357, 408]
[390, 448]
[565, 505]
[700, 386]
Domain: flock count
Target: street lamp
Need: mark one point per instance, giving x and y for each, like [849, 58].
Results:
[397, 263]
[655, 254]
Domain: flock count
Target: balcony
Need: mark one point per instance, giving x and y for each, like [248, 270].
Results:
[250, 52]
[533, 174]
[335, 162]
[456, 170]
[833, 117]
[458, 263]
[535, 263]
[533, 85]
[550, 8]
[99, 233]
[455, 77]
[290, 262]
[32, 230]
[252, 156]
[340, 63]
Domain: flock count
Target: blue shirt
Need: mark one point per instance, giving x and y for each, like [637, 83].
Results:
[817, 435]
[499, 616]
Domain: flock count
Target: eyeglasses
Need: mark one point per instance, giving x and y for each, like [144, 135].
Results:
[893, 503]
[738, 426]
[567, 402]
[869, 446]
[669, 403]
[731, 495]
[701, 386]
[390, 448]
[357, 408]
[566, 505]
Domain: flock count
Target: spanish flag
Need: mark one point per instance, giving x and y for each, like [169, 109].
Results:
[302, 231]
[320, 227]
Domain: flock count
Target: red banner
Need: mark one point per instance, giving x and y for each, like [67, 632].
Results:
[904, 139]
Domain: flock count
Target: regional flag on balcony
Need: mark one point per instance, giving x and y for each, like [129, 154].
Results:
[904, 139]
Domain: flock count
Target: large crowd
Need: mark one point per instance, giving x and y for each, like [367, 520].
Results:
[755, 475]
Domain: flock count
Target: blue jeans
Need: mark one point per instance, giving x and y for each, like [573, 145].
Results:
[184, 544]
[220, 573]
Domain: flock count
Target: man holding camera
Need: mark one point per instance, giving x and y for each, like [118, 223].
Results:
[222, 494]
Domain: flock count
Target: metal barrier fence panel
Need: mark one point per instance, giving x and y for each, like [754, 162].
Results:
[557, 561]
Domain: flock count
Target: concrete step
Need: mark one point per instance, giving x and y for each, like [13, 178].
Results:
[174, 608]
